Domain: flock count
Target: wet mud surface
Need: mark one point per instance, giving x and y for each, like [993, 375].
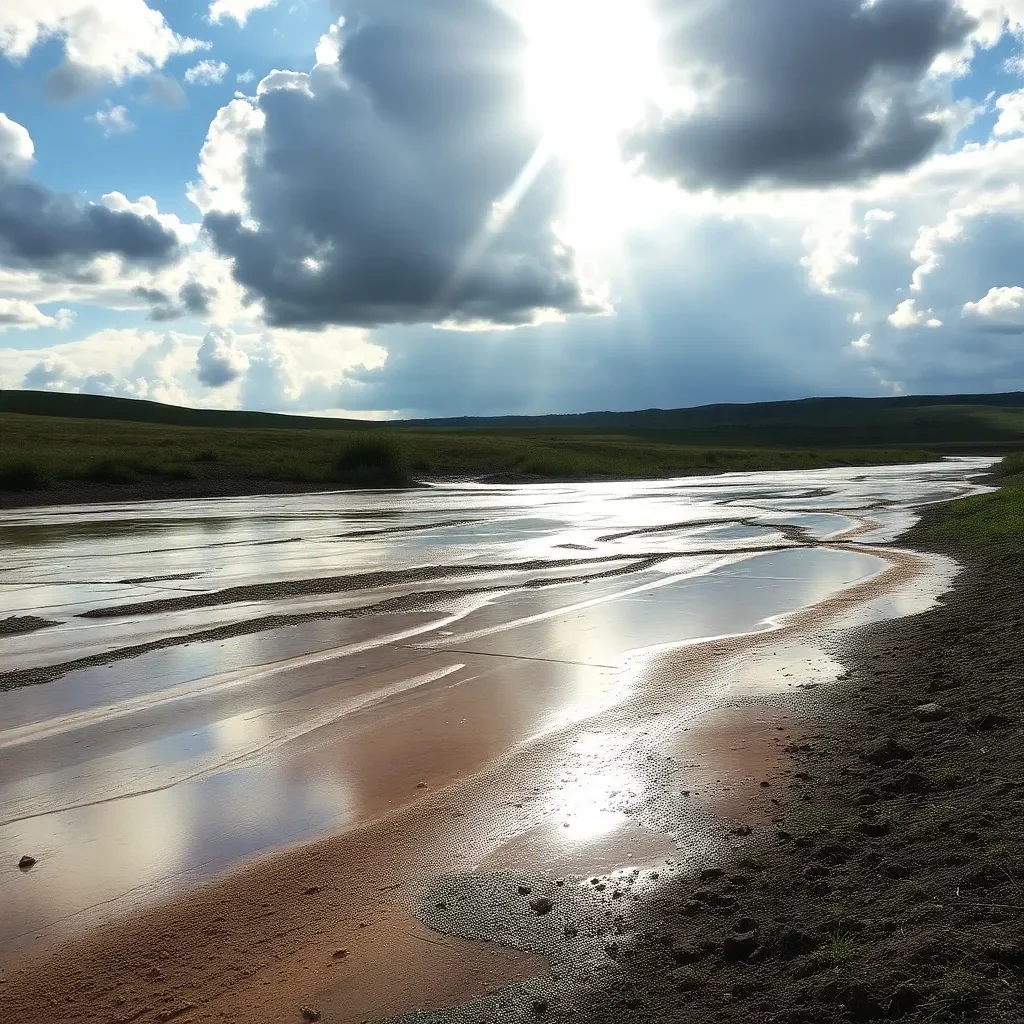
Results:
[503, 790]
[882, 882]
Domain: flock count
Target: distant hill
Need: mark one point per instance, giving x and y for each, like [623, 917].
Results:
[945, 421]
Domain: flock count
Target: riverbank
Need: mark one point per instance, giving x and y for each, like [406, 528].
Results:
[53, 461]
[887, 884]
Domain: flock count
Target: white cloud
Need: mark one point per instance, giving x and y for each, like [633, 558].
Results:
[328, 49]
[285, 370]
[221, 186]
[908, 315]
[19, 313]
[206, 72]
[219, 360]
[113, 120]
[246, 77]
[862, 343]
[16, 149]
[103, 40]
[239, 10]
[1011, 114]
[1001, 311]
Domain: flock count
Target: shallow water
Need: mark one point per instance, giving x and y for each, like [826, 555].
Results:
[136, 777]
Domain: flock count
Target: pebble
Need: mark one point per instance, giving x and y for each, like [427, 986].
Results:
[26, 863]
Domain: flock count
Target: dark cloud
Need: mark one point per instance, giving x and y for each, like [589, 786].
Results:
[193, 300]
[730, 329]
[373, 187]
[44, 230]
[196, 298]
[801, 92]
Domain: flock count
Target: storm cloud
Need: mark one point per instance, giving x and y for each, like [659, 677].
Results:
[404, 184]
[801, 92]
[44, 230]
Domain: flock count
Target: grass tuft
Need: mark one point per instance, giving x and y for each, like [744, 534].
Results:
[372, 460]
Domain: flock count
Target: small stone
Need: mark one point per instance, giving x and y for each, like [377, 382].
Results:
[875, 827]
[739, 947]
[540, 1006]
[340, 954]
[929, 712]
[310, 1014]
[793, 943]
[421, 785]
[541, 905]
[27, 863]
[524, 890]
[886, 750]
[742, 830]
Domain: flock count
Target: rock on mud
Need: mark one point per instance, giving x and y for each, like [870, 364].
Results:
[887, 750]
[27, 863]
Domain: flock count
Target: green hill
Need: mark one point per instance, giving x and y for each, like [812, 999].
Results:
[930, 420]
[61, 447]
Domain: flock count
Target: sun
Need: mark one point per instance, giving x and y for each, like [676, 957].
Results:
[593, 71]
[592, 68]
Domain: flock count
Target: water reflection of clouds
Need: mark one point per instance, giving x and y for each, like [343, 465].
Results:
[185, 830]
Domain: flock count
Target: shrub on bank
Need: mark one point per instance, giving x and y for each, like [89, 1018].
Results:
[371, 460]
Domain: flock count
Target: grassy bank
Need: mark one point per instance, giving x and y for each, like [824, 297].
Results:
[988, 521]
[42, 453]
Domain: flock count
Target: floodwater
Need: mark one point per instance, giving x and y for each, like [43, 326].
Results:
[225, 678]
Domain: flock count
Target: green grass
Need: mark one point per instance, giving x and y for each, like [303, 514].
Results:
[839, 948]
[49, 450]
[990, 520]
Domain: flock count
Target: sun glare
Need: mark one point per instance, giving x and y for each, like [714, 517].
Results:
[592, 71]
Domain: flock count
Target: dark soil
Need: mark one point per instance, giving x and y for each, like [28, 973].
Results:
[888, 886]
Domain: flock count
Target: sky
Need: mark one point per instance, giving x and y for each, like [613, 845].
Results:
[414, 208]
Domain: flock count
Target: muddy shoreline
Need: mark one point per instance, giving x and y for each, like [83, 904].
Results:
[886, 884]
[804, 877]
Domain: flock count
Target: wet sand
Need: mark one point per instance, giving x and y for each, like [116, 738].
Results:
[556, 726]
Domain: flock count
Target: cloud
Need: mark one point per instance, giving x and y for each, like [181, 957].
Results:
[206, 72]
[17, 152]
[103, 40]
[18, 313]
[165, 91]
[1001, 311]
[238, 10]
[801, 93]
[219, 360]
[406, 186]
[246, 77]
[44, 230]
[113, 120]
[41, 229]
[194, 299]
[287, 370]
[908, 315]
[1011, 114]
